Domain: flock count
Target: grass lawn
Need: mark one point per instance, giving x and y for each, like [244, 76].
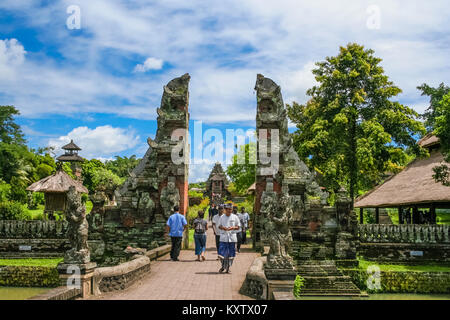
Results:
[48, 262]
[363, 264]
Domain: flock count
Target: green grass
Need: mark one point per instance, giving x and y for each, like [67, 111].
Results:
[38, 214]
[49, 262]
[363, 264]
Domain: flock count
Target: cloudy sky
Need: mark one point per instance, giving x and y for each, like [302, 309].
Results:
[97, 77]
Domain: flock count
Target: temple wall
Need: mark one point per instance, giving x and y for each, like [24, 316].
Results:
[403, 282]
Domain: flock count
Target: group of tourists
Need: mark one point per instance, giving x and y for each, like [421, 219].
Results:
[230, 231]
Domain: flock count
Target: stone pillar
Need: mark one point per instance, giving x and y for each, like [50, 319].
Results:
[77, 276]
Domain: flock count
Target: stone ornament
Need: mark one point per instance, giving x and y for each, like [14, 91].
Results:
[170, 197]
[77, 232]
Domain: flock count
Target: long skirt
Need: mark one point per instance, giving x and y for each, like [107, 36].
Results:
[227, 252]
[200, 243]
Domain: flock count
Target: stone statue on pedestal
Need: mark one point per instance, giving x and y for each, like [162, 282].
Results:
[77, 232]
[278, 214]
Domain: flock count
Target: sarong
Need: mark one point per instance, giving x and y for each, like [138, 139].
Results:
[227, 252]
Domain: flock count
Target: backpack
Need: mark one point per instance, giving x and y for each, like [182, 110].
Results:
[199, 226]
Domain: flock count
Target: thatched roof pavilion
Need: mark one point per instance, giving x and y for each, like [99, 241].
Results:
[55, 188]
[413, 187]
[59, 182]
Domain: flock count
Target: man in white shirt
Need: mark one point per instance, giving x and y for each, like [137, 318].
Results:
[229, 225]
[215, 222]
[244, 218]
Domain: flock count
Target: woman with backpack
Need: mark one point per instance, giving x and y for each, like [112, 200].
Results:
[200, 228]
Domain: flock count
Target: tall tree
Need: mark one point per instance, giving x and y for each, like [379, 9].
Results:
[242, 171]
[437, 119]
[10, 131]
[122, 166]
[350, 130]
[436, 95]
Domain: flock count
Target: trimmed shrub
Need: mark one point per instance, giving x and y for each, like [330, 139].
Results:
[10, 210]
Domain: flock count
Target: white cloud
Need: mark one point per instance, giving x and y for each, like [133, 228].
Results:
[149, 64]
[12, 55]
[100, 142]
[223, 46]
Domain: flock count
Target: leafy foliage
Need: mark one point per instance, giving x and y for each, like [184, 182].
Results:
[437, 119]
[105, 179]
[10, 210]
[122, 166]
[242, 171]
[299, 283]
[10, 131]
[350, 131]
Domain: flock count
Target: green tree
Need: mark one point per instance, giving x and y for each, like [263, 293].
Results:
[89, 167]
[10, 131]
[122, 166]
[350, 130]
[243, 173]
[437, 120]
[436, 95]
[105, 179]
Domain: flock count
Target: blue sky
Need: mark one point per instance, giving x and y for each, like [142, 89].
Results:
[101, 84]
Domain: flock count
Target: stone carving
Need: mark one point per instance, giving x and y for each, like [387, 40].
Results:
[278, 219]
[170, 197]
[43, 229]
[403, 233]
[77, 232]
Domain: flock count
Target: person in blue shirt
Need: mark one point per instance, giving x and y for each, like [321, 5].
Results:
[175, 226]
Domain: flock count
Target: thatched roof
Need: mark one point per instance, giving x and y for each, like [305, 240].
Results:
[70, 157]
[58, 182]
[71, 146]
[428, 141]
[413, 185]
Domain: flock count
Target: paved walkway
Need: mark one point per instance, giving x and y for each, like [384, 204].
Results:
[190, 279]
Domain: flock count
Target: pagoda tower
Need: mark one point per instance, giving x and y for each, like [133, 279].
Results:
[71, 155]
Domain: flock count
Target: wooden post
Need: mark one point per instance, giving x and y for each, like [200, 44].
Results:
[415, 215]
[361, 215]
[377, 215]
[433, 213]
[400, 215]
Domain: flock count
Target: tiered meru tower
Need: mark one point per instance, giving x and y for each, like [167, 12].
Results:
[158, 183]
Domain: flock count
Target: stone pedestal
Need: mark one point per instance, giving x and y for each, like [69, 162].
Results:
[279, 280]
[279, 286]
[280, 274]
[71, 273]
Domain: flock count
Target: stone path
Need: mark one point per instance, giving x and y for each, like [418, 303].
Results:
[190, 279]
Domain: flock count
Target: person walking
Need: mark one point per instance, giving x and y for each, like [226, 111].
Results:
[200, 228]
[239, 233]
[244, 218]
[229, 225]
[175, 226]
[215, 222]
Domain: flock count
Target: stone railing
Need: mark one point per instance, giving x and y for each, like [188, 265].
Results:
[410, 233]
[33, 229]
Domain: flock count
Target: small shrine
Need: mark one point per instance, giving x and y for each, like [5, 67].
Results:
[71, 155]
[55, 188]
[217, 184]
